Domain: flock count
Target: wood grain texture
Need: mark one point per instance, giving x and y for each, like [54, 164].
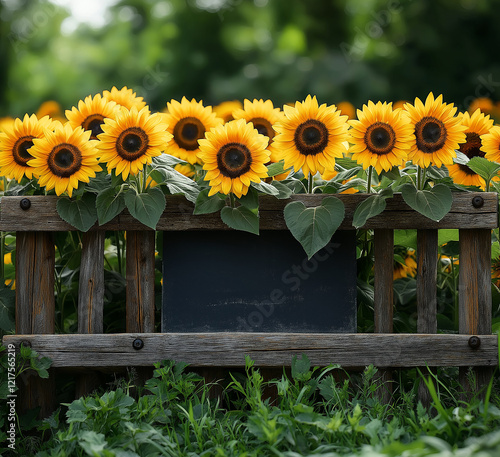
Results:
[42, 215]
[91, 283]
[474, 296]
[140, 281]
[266, 349]
[35, 310]
[427, 259]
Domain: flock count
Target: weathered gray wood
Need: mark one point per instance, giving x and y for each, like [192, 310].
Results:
[266, 349]
[383, 303]
[90, 300]
[474, 295]
[35, 309]
[140, 281]
[42, 215]
[427, 258]
[91, 285]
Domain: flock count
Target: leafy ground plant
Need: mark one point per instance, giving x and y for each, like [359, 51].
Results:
[314, 411]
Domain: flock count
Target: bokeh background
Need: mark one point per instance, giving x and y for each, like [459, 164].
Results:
[218, 50]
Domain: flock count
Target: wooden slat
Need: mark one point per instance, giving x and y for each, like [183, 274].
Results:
[474, 296]
[383, 303]
[140, 281]
[427, 258]
[42, 214]
[35, 309]
[266, 349]
[90, 300]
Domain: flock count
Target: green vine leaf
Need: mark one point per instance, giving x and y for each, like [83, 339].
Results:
[314, 227]
[206, 205]
[240, 218]
[434, 203]
[370, 207]
[265, 188]
[484, 168]
[109, 204]
[146, 207]
[80, 213]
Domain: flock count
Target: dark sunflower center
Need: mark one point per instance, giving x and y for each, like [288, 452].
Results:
[132, 143]
[20, 150]
[263, 126]
[234, 160]
[187, 132]
[380, 138]
[430, 134]
[471, 148]
[311, 137]
[94, 124]
[64, 160]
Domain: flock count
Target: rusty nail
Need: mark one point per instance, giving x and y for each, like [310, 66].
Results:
[474, 342]
[477, 201]
[25, 204]
[138, 344]
[25, 343]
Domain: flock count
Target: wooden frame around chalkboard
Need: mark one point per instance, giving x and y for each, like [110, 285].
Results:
[33, 219]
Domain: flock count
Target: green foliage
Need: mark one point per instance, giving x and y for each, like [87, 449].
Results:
[434, 203]
[314, 227]
[206, 205]
[147, 207]
[371, 207]
[80, 212]
[241, 218]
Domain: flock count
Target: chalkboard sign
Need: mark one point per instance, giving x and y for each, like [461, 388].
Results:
[234, 281]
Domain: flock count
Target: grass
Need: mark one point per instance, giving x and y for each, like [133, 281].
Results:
[314, 411]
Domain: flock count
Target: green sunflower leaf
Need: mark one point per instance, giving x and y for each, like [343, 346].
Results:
[177, 183]
[276, 168]
[146, 207]
[434, 203]
[240, 218]
[206, 205]
[461, 158]
[167, 160]
[265, 188]
[283, 189]
[80, 213]
[484, 168]
[109, 204]
[250, 200]
[370, 207]
[314, 227]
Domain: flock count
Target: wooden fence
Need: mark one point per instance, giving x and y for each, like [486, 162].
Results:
[34, 219]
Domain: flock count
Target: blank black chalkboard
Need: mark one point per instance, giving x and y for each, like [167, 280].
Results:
[216, 281]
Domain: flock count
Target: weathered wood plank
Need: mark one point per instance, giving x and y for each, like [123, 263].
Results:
[427, 258]
[266, 349]
[140, 307]
[474, 295]
[35, 309]
[91, 283]
[383, 302]
[42, 215]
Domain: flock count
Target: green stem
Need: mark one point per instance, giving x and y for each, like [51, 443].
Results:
[310, 182]
[118, 252]
[144, 180]
[419, 177]
[231, 197]
[424, 177]
[369, 180]
[2, 254]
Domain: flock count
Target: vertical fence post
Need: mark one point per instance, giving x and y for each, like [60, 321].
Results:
[35, 310]
[383, 304]
[140, 271]
[427, 256]
[474, 296]
[90, 298]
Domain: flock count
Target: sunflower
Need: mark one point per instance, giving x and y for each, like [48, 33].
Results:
[225, 110]
[234, 155]
[380, 137]
[438, 131]
[185, 169]
[491, 144]
[476, 125]
[132, 139]
[124, 97]
[64, 157]
[495, 271]
[485, 104]
[187, 122]
[311, 136]
[6, 122]
[347, 108]
[16, 143]
[52, 109]
[263, 116]
[409, 268]
[91, 113]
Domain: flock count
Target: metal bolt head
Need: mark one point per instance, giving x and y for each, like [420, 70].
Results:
[138, 344]
[25, 343]
[474, 342]
[25, 204]
[477, 201]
